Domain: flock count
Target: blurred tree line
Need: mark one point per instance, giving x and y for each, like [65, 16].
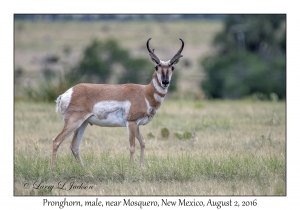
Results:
[250, 58]
[95, 17]
[101, 61]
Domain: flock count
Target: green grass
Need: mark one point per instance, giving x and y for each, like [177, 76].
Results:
[228, 154]
[264, 171]
[181, 168]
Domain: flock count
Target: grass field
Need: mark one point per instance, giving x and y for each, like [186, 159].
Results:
[237, 148]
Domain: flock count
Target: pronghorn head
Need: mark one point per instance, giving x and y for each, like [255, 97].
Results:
[164, 69]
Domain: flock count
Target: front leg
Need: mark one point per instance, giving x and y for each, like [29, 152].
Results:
[142, 143]
[131, 128]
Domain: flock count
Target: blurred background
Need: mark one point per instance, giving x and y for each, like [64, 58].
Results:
[225, 56]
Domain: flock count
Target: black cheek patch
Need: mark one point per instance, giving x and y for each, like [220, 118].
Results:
[173, 68]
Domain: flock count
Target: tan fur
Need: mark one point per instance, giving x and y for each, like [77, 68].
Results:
[127, 105]
[85, 96]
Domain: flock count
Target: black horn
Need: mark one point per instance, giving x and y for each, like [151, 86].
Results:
[154, 58]
[178, 55]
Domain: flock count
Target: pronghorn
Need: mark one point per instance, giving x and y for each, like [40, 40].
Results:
[127, 105]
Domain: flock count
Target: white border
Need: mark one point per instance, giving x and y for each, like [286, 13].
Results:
[154, 6]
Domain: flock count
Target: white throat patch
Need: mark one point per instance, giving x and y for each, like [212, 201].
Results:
[157, 87]
[158, 98]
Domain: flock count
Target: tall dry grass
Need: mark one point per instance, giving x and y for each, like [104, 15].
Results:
[237, 148]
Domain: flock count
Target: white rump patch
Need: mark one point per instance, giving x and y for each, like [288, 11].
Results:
[110, 113]
[62, 102]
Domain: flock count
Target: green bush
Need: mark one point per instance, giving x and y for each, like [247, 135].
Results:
[238, 75]
[136, 70]
[96, 66]
[48, 88]
[250, 58]
[98, 60]
[165, 132]
[186, 135]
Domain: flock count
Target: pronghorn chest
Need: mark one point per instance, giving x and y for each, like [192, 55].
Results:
[152, 106]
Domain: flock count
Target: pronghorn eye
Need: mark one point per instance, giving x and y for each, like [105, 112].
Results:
[156, 67]
[173, 68]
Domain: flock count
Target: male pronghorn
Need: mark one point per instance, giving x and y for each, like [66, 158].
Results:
[127, 105]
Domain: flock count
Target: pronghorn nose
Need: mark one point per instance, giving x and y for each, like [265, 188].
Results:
[165, 82]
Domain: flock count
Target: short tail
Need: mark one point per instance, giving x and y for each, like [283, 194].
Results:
[58, 107]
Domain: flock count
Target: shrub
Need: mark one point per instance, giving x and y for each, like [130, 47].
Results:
[96, 66]
[136, 70]
[48, 88]
[186, 135]
[98, 59]
[250, 58]
[165, 132]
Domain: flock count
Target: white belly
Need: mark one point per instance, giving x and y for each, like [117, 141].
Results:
[110, 113]
[113, 119]
[115, 113]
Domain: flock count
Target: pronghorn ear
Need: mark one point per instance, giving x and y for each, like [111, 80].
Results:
[154, 60]
[174, 62]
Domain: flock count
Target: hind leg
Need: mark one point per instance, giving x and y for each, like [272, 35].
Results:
[76, 141]
[71, 124]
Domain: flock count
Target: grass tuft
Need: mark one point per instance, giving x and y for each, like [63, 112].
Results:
[165, 132]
